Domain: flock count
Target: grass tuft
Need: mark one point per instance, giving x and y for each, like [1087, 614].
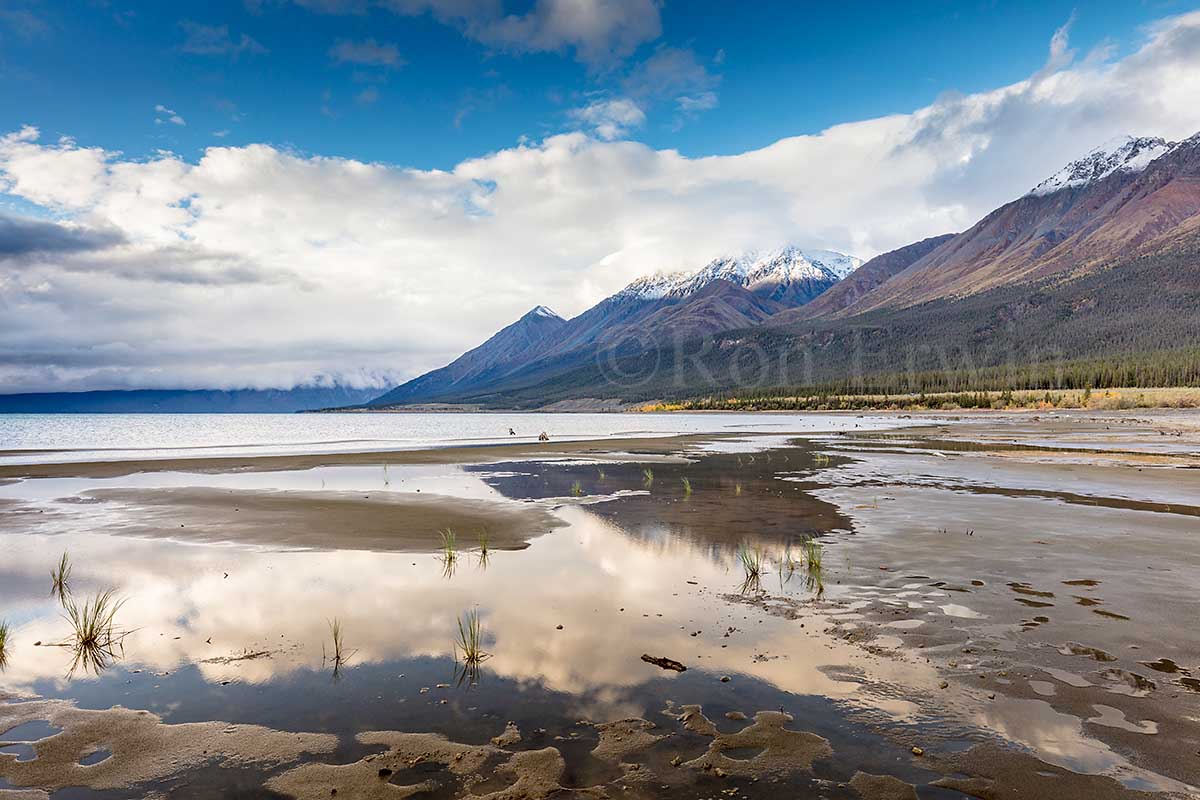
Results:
[814, 577]
[449, 545]
[449, 552]
[340, 654]
[60, 579]
[687, 486]
[4, 633]
[812, 555]
[647, 477]
[577, 489]
[751, 559]
[485, 548]
[97, 642]
[470, 646]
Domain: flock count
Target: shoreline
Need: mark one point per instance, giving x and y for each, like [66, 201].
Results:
[455, 454]
[1172, 419]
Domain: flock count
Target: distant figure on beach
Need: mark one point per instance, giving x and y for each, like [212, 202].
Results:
[543, 437]
[511, 432]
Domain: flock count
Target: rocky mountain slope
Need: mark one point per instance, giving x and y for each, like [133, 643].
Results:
[728, 292]
[1111, 204]
[504, 351]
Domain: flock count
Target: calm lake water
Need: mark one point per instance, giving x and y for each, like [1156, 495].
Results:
[88, 437]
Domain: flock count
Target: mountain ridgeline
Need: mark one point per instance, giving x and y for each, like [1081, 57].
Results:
[1091, 279]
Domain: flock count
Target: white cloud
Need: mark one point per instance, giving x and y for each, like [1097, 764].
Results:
[704, 101]
[368, 53]
[609, 119]
[215, 40]
[675, 75]
[260, 266]
[164, 115]
[600, 32]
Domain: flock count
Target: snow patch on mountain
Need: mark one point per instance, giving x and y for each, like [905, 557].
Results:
[1123, 154]
[542, 311]
[755, 271]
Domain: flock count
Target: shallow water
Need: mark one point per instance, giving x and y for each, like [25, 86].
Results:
[110, 437]
[856, 651]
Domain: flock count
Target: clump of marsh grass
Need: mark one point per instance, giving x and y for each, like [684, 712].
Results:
[485, 548]
[449, 552]
[600, 472]
[60, 579]
[812, 555]
[577, 489]
[449, 544]
[814, 576]
[338, 654]
[647, 477]
[788, 562]
[752, 560]
[4, 633]
[737, 489]
[687, 486]
[820, 459]
[470, 646]
[449, 548]
[97, 642]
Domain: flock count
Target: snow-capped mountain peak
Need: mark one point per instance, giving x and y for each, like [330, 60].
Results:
[784, 274]
[1122, 154]
[541, 311]
[655, 287]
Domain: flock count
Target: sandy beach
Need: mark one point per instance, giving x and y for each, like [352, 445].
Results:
[960, 606]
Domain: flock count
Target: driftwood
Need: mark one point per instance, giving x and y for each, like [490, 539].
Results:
[664, 662]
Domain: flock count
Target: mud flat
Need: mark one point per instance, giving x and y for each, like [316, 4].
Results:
[995, 606]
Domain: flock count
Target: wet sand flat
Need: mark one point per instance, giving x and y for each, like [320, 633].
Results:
[467, 454]
[947, 610]
[379, 522]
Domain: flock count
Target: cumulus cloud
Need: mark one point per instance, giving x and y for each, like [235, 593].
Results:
[609, 119]
[215, 40]
[369, 53]
[260, 266]
[599, 32]
[20, 236]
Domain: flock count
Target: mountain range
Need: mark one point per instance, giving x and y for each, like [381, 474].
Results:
[1099, 263]
[186, 401]
[1092, 276]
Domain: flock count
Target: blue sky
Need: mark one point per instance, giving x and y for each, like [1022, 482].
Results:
[414, 90]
